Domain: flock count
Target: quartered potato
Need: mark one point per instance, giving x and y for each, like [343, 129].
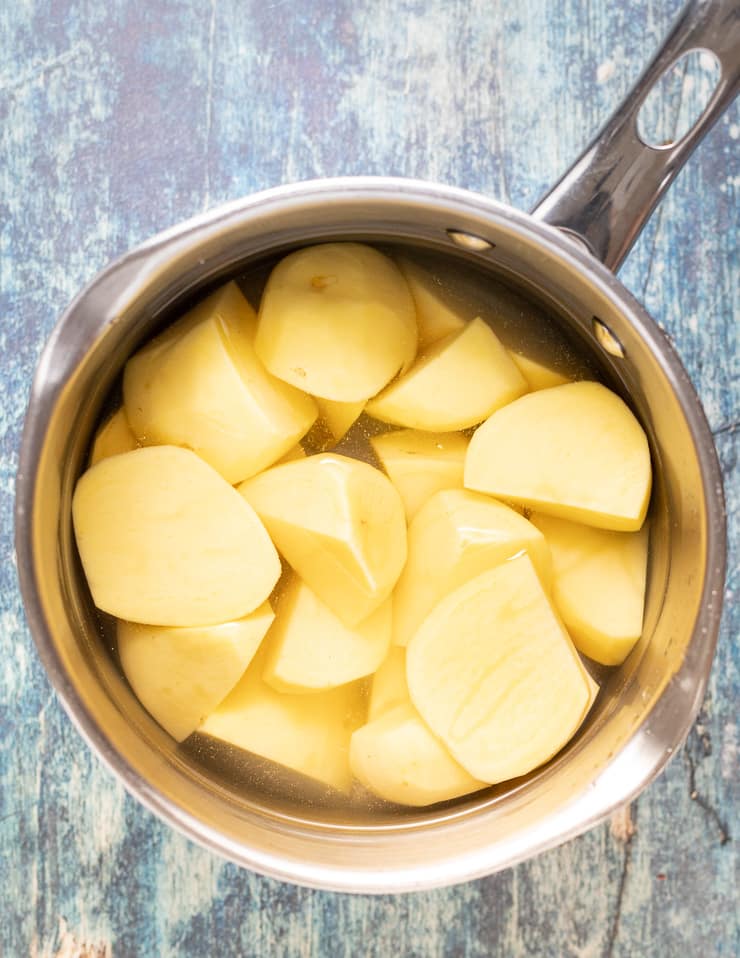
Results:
[337, 320]
[113, 438]
[398, 758]
[495, 676]
[389, 687]
[181, 674]
[421, 463]
[537, 374]
[340, 524]
[456, 383]
[339, 416]
[598, 585]
[574, 451]
[308, 733]
[201, 385]
[436, 317]
[311, 649]
[456, 536]
[164, 540]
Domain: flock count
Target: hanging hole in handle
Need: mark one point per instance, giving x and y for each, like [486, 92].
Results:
[678, 99]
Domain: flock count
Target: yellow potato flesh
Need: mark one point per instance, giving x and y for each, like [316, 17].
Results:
[180, 675]
[398, 758]
[165, 540]
[421, 463]
[307, 733]
[598, 585]
[339, 416]
[456, 383]
[297, 452]
[340, 524]
[455, 537]
[310, 648]
[538, 375]
[337, 320]
[389, 687]
[435, 317]
[113, 438]
[201, 385]
[495, 676]
[574, 451]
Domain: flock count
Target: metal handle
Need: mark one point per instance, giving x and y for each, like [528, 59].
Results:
[610, 191]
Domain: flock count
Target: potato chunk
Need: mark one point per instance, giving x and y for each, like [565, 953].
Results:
[456, 383]
[538, 375]
[113, 438]
[310, 648]
[337, 320]
[421, 463]
[181, 674]
[436, 317]
[398, 758]
[165, 540]
[574, 451]
[307, 733]
[457, 535]
[598, 585]
[339, 416]
[340, 524]
[389, 687]
[495, 676]
[200, 385]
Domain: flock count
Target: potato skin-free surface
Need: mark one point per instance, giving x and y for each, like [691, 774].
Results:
[164, 540]
[114, 437]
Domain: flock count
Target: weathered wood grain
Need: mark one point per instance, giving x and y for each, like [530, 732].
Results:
[119, 119]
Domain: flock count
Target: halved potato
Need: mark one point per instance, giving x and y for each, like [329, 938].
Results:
[421, 463]
[339, 416]
[495, 676]
[340, 524]
[337, 320]
[181, 674]
[310, 649]
[574, 451]
[456, 383]
[389, 687]
[398, 758]
[598, 585]
[201, 385]
[307, 733]
[165, 540]
[113, 438]
[436, 316]
[457, 535]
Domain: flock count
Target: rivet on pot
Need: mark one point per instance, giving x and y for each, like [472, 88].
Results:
[469, 240]
[606, 338]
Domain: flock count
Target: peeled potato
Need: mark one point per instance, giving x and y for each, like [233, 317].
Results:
[398, 758]
[538, 375]
[200, 385]
[297, 452]
[456, 536]
[113, 438]
[495, 676]
[389, 687]
[598, 585]
[421, 463]
[340, 524]
[311, 649]
[181, 674]
[436, 317]
[339, 416]
[574, 451]
[337, 320]
[456, 383]
[307, 733]
[165, 540]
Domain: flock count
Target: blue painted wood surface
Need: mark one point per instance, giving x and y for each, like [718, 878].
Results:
[118, 119]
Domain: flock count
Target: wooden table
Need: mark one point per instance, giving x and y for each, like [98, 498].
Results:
[121, 118]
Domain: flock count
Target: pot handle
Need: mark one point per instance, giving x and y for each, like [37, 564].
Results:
[610, 191]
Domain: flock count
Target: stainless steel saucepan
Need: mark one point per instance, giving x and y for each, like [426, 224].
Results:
[561, 256]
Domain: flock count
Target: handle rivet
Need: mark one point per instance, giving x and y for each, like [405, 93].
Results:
[469, 240]
[606, 338]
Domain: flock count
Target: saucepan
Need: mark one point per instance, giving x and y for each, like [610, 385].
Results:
[561, 257]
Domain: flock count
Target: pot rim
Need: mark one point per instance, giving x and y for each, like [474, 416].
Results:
[675, 709]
